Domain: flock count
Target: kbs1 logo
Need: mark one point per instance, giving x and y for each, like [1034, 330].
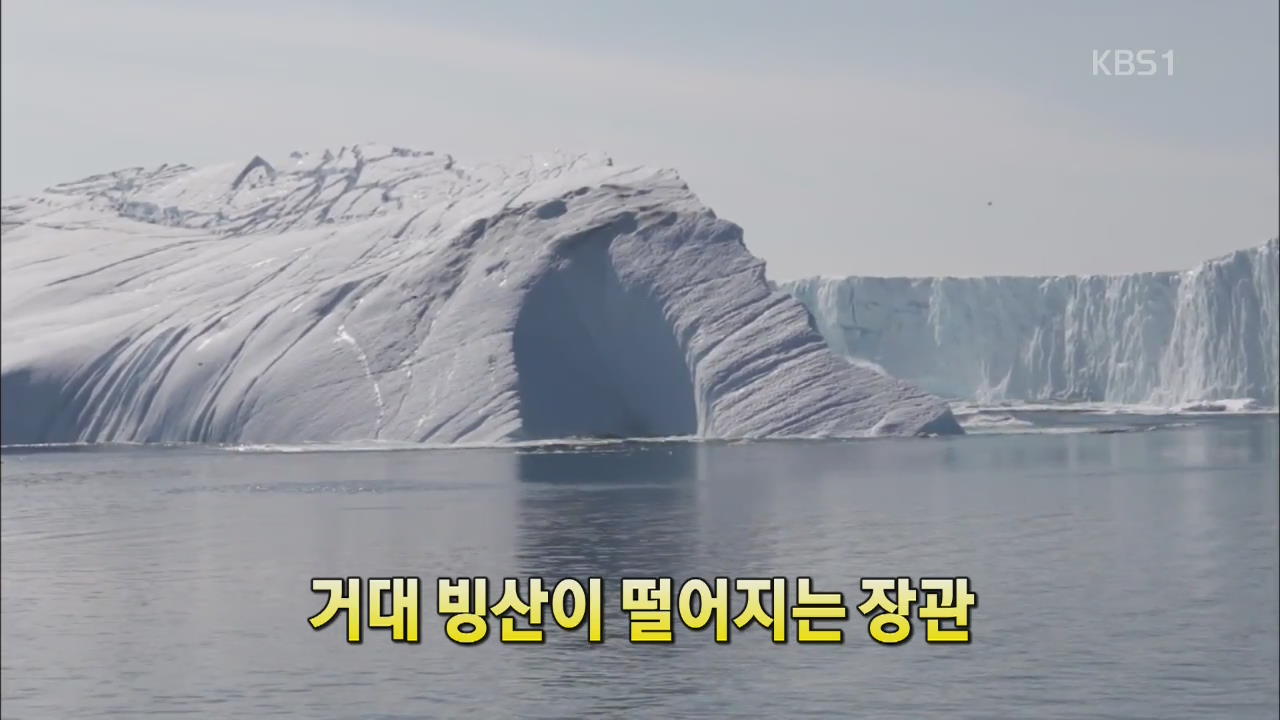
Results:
[1125, 63]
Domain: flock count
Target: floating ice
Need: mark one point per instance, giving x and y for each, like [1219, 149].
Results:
[379, 293]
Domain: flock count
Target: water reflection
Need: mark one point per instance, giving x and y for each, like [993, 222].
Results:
[629, 512]
[159, 582]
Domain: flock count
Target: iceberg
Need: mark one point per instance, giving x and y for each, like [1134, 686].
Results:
[1209, 334]
[382, 293]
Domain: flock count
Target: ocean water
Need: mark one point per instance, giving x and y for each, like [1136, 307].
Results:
[1122, 568]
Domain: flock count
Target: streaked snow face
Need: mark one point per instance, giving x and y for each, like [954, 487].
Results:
[391, 294]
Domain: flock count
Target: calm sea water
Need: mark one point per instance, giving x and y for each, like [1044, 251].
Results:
[1129, 574]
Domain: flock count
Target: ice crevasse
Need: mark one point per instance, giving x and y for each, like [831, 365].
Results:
[384, 293]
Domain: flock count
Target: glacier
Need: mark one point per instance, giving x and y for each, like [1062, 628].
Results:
[1152, 338]
[389, 294]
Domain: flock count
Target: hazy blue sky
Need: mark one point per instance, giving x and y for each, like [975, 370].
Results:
[845, 137]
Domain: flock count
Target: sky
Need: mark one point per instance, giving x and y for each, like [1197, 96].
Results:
[847, 138]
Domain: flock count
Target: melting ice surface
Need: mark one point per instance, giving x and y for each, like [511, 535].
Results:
[1204, 339]
[379, 293]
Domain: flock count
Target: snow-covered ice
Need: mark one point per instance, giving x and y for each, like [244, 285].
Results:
[379, 293]
[1166, 339]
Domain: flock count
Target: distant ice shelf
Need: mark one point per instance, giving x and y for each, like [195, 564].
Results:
[381, 293]
[1207, 335]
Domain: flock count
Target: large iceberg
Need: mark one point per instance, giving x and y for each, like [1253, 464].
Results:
[390, 294]
[1159, 338]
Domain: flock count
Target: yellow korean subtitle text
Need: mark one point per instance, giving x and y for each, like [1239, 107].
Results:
[652, 607]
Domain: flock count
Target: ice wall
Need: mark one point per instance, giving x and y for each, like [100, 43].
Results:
[1161, 338]
[390, 294]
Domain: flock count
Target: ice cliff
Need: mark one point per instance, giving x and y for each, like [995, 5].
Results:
[1161, 338]
[384, 293]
